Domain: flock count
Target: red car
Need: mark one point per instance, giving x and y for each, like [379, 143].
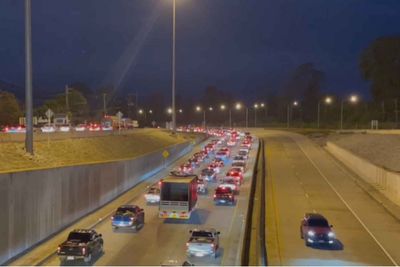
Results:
[237, 174]
[315, 230]
[224, 195]
[219, 162]
[186, 168]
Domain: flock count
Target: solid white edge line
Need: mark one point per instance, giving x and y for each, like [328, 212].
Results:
[348, 206]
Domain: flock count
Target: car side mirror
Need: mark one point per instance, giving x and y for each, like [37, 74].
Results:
[100, 235]
[218, 233]
[331, 226]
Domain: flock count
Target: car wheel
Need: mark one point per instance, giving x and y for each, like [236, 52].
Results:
[88, 258]
[101, 249]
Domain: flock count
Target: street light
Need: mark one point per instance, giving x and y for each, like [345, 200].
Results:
[28, 78]
[173, 66]
[180, 110]
[199, 109]
[288, 112]
[328, 101]
[169, 110]
[150, 111]
[140, 111]
[352, 99]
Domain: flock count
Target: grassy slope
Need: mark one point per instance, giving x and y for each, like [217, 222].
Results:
[79, 151]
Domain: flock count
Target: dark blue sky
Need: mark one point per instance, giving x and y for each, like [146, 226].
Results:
[239, 45]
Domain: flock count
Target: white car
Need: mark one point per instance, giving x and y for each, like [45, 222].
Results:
[48, 129]
[238, 158]
[230, 182]
[203, 243]
[106, 128]
[80, 128]
[64, 128]
[231, 143]
[152, 195]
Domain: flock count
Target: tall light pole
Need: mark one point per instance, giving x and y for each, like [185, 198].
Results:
[173, 67]
[255, 115]
[28, 79]
[288, 112]
[199, 109]
[352, 99]
[327, 100]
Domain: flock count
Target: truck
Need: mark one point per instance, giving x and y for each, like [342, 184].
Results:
[178, 196]
[114, 122]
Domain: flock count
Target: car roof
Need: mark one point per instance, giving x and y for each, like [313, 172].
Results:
[314, 216]
[83, 231]
[128, 206]
[204, 230]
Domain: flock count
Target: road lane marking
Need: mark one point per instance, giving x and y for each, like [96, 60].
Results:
[348, 206]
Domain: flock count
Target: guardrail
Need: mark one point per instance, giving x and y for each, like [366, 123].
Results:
[251, 225]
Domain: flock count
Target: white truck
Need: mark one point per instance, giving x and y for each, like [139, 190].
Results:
[203, 242]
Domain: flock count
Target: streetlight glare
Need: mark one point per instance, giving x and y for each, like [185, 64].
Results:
[180, 110]
[238, 106]
[198, 108]
[353, 98]
[210, 109]
[140, 111]
[328, 100]
[150, 111]
[223, 107]
[255, 105]
[169, 110]
[262, 105]
[295, 103]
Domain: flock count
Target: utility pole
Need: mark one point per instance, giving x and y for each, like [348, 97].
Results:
[247, 117]
[66, 98]
[341, 115]
[173, 66]
[318, 113]
[28, 79]
[230, 118]
[288, 116]
[255, 118]
[396, 113]
[104, 104]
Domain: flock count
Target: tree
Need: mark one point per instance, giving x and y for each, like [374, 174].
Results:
[9, 109]
[380, 64]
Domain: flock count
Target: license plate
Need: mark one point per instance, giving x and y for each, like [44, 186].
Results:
[70, 258]
[223, 201]
[199, 254]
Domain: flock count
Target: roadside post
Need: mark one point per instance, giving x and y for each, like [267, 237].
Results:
[49, 115]
[119, 116]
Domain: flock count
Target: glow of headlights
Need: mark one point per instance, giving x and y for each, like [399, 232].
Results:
[311, 233]
[331, 234]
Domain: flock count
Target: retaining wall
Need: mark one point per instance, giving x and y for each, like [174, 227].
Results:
[36, 204]
[386, 182]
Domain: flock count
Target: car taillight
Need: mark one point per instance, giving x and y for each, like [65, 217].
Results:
[187, 244]
[212, 245]
[83, 251]
[215, 195]
[58, 249]
[230, 196]
[112, 217]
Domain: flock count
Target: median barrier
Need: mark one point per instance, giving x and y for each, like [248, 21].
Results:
[385, 181]
[38, 203]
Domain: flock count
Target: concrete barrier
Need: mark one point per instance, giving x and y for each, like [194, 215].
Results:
[385, 181]
[36, 204]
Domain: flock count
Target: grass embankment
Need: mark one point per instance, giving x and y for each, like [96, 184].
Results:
[86, 150]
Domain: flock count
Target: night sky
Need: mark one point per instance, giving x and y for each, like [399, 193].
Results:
[239, 45]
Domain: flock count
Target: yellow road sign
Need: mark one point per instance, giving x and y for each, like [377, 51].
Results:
[165, 154]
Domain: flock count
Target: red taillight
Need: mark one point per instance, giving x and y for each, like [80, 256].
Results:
[215, 195]
[83, 251]
[58, 249]
[159, 183]
[230, 196]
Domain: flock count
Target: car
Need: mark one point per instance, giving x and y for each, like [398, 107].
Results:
[128, 217]
[106, 128]
[64, 128]
[240, 165]
[202, 185]
[221, 155]
[200, 155]
[195, 162]
[237, 174]
[152, 195]
[81, 244]
[231, 182]
[215, 167]
[94, 127]
[315, 230]
[48, 129]
[173, 262]
[208, 175]
[245, 149]
[224, 195]
[203, 242]
[239, 158]
[15, 129]
[219, 162]
[80, 128]
[244, 154]
[186, 168]
[231, 142]
[226, 150]
[209, 148]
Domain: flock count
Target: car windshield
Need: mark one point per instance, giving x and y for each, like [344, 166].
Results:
[81, 237]
[206, 172]
[242, 152]
[153, 191]
[197, 234]
[318, 222]
[125, 210]
[238, 158]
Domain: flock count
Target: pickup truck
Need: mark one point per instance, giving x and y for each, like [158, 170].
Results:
[128, 216]
[81, 244]
[152, 195]
[203, 243]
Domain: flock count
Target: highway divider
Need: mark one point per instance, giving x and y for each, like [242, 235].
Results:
[254, 246]
[39, 203]
[385, 181]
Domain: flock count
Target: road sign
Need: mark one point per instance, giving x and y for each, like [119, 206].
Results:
[119, 114]
[49, 114]
[165, 154]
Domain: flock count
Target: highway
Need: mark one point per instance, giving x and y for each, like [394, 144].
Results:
[159, 240]
[302, 177]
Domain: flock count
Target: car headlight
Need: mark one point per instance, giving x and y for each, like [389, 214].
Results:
[331, 234]
[311, 233]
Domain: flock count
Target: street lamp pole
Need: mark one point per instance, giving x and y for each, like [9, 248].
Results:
[204, 118]
[318, 114]
[247, 117]
[288, 116]
[28, 79]
[341, 114]
[255, 117]
[230, 118]
[173, 67]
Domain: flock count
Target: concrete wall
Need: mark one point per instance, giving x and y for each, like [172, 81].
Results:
[386, 182]
[36, 204]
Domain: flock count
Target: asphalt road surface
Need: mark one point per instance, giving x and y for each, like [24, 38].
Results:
[302, 177]
[160, 240]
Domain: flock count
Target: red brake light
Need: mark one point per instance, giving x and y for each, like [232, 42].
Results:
[215, 195]
[83, 251]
